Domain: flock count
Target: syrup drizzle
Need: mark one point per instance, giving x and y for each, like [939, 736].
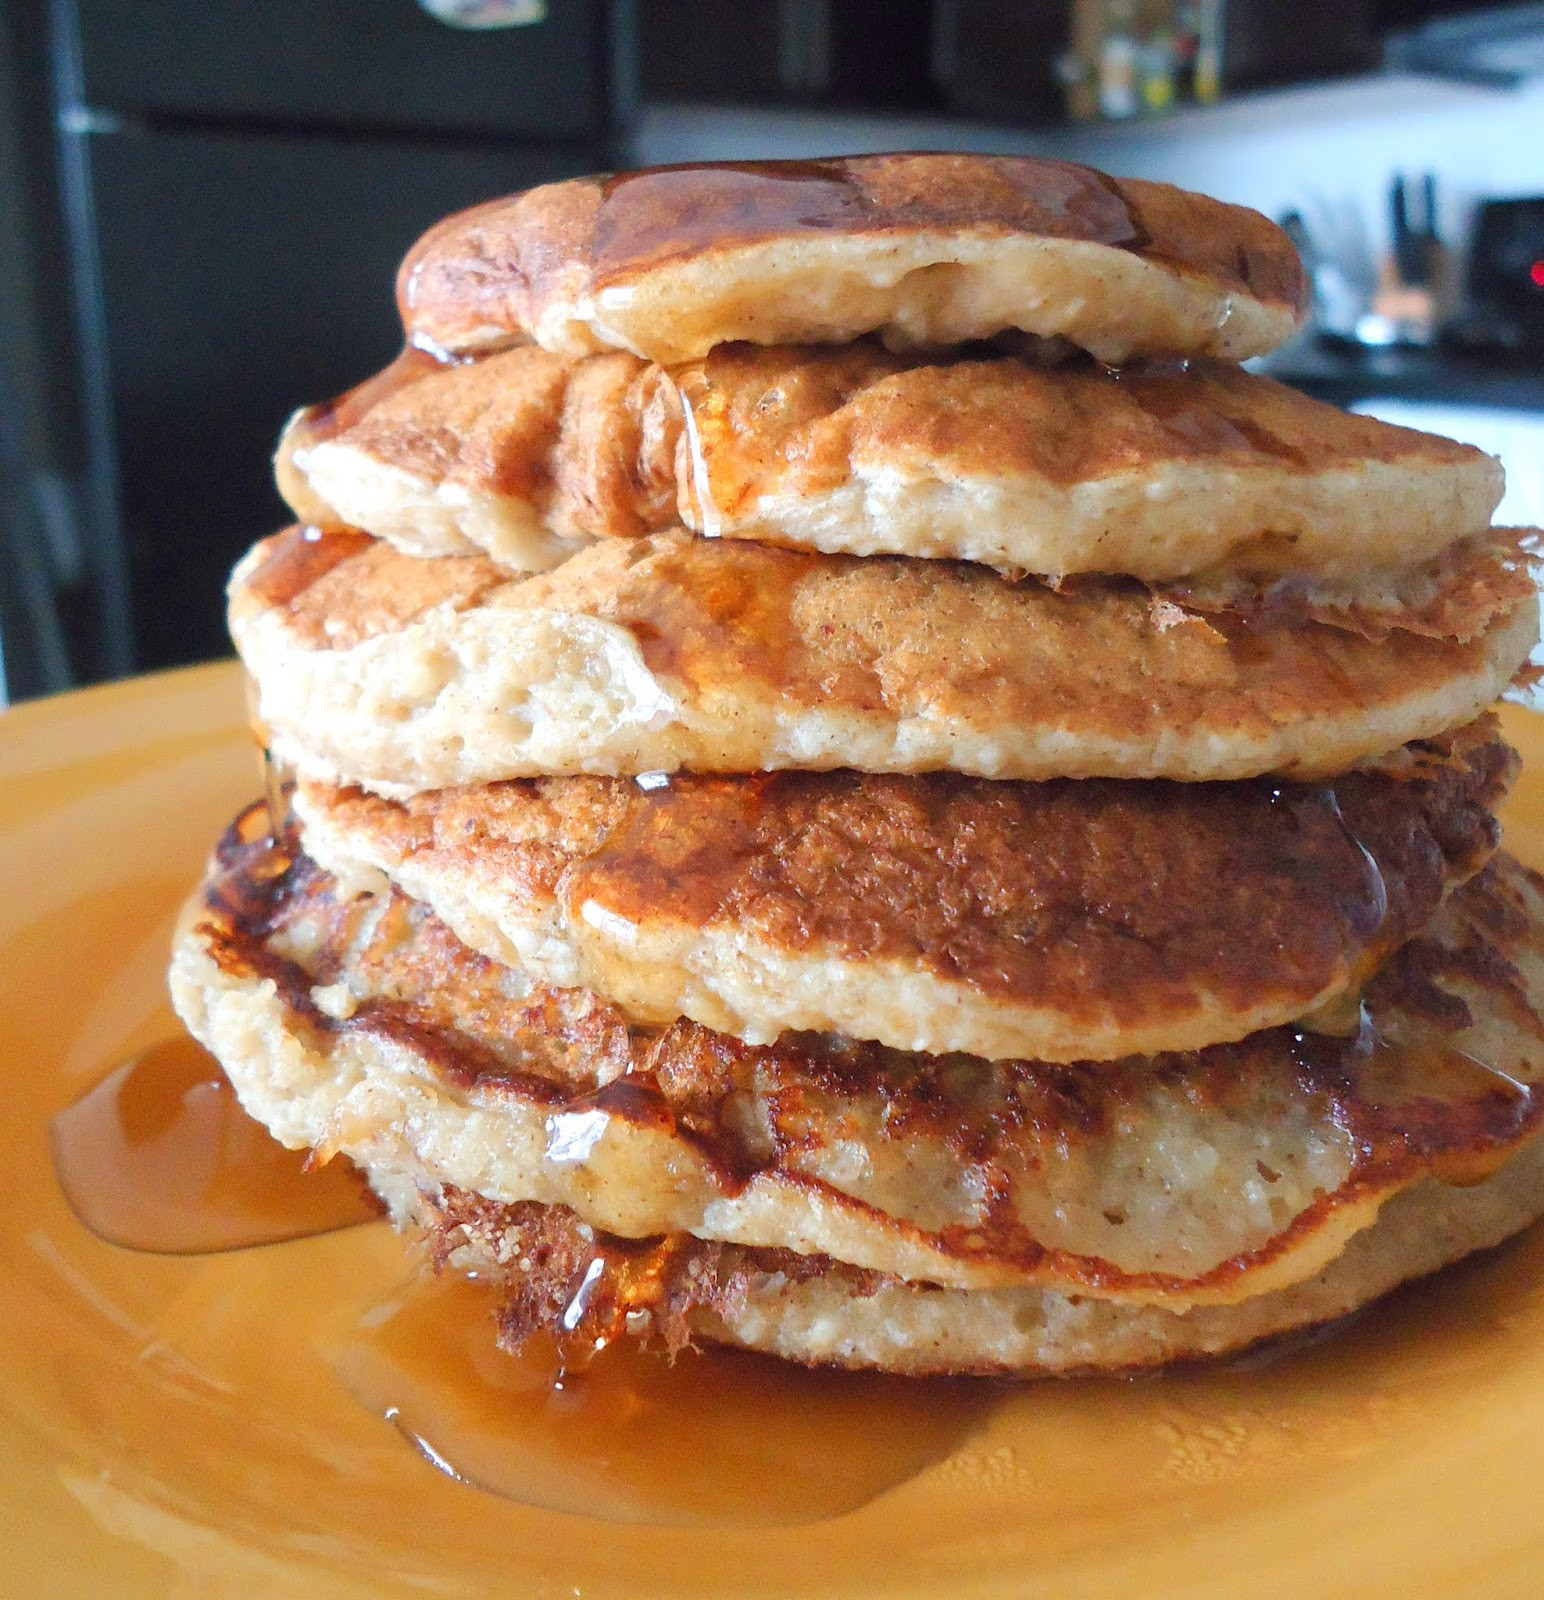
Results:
[654, 215]
[716, 1438]
[161, 1157]
[1377, 886]
[314, 424]
[295, 560]
[1165, 391]
[732, 439]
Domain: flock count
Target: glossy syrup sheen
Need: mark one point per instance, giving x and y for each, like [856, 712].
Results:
[160, 1156]
[646, 218]
[753, 416]
[300, 557]
[762, 853]
[327, 419]
[317, 424]
[715, 1438]
[651, 216]
[176, 1425]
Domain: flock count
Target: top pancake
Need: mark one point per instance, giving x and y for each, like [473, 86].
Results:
[920, 249]
[1157, 472]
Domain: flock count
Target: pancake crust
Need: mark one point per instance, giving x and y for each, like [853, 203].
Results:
[678, 1290]
[1057, 921]
[523, 455]
[363, 1026]
[1156, 472]
[1153, 472]
[921, 249]
[729, 656]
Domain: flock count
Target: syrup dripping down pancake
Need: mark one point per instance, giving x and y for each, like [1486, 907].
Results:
[523, 455]
[921, 249]
[1156, 473]
[360, 1025]
[729, 656]
[1058, 921]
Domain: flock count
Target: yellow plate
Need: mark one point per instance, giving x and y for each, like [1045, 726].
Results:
[1402, 1457]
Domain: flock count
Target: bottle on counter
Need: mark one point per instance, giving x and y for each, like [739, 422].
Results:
[1119, 52]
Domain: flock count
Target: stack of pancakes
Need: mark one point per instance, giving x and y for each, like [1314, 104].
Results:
[852, 785]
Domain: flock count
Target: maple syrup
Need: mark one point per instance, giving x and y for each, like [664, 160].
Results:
[300, 556]
[314, 424]
[161, 1157]
[751, 415]
[168, 1425]
[756, 850]
[664, 212]
[1169, 395]
[715, 1438]
[693, 616]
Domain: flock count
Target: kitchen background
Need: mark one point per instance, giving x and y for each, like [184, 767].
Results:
[202, 203]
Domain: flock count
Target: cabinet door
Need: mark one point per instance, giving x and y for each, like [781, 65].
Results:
[361, 63]
[240, 278]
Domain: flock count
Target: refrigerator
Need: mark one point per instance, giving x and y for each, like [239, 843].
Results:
[210, 199]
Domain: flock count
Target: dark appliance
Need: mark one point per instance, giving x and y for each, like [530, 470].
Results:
[1506, 274]
[237, 184]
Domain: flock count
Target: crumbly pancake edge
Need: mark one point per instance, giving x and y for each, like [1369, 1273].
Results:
[819, 1312]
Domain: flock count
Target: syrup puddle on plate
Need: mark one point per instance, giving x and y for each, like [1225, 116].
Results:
[716, 1438]
[160, 1157]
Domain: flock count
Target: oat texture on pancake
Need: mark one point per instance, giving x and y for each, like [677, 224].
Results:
[851, 784]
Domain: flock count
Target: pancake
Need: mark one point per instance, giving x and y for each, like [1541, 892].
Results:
[921, 249]
[522, 454]
[1153, 472]
[1158, 472]
[1061, 921]
[678, 1289]
[729, 656]
[360, 1025]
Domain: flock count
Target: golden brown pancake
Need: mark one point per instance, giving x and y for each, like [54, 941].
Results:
[522, 454]
[1159, 472]
[361, 1025]
[921, 249]
[1062, 921]
[1154, 472]
[730, 656]
[561, 1280]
